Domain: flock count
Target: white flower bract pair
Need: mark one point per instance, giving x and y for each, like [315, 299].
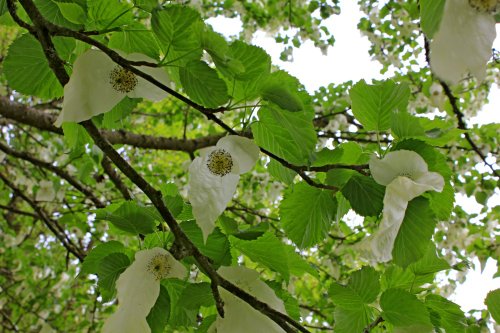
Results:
[98, 84]
[463, 41]
[239, 316]
[138, 288]
[406, 176]
[214, 176]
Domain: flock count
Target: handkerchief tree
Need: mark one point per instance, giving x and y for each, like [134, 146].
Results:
[159, 176]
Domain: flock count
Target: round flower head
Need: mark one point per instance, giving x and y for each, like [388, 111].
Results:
[239, 316]
[214, 176]
[406, 176]
[464, 39]
[138, 288]
[98, 84]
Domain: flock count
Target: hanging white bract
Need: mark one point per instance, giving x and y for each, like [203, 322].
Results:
[239, 316]
[98, 84]
[406, 176]
[214, 176]
[464, 40]
[138, 288]
[46, 192]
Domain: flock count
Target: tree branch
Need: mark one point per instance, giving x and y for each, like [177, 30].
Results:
[58, 171]
[115, 178]
[459, 115]
[45, 121]
[51, 224]
[154, 195]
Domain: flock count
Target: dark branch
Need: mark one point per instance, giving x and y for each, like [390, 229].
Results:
[45, 121]
[51, 224]
[154, 195]
[459, 115]
[58, 171]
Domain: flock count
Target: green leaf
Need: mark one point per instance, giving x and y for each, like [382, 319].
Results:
[281, 173]
[283, 90]
[442, 202]
[404, 310]
[492, 301]
[344, 297]
[3, 7]
[130, 217]
[50, 10]
[339, 177]
[215, 44]
[307, 213]
[179, 30]
[136, 40]
[430, 263]
[110, 269]
[196, 295]
[158, 316]
[107, 14]
[172, 199]
[352, 320]
[373, 105]
[296, 264]
[75, 136]
[92, 261]
[179, 315]
[345, 153]
[363, 288]
[431, 12]
[366, 284]
[114, 119]
[415, 233]
[405, 125]
[73, 12]
[206, 324]
[289, 135]
[243, 62]
[27, 70]
[397, 277]
[291, 304]
[217, 245]
[281, 259]
[147, 5]
[203, 84]
[364, 194]
[446, 314]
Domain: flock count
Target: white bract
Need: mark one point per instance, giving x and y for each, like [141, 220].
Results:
[214, 176]
[464, 40]
[437, 96]
[46, 191]
[138, 288]
[98, 84]
[239, 316]
[406, 176]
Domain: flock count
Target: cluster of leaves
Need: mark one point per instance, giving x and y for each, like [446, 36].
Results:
[289, 219]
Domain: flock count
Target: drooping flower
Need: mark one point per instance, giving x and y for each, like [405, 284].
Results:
[464, 39]
[138, 288]
[46, 191]
[437, 97]
[406, 176]
[239, 316]
[214, 176]
[98, 84]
